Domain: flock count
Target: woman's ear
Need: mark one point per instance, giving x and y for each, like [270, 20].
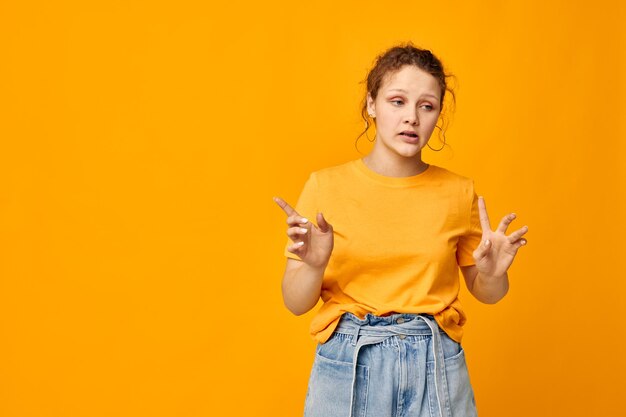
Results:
[371, 106]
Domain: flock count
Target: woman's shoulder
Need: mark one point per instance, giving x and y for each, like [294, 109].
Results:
[450, 175]
[453, 180]
[338, 169]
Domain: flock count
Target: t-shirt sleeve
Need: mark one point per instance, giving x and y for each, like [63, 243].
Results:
[469, 241]
[306, 207]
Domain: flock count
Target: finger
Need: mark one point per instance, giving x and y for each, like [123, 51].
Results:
[519, 243]
[482, 211]
[504, 223]
[482, 250]
[296, 232]
[296, 247]
[285, 206]
[322, 224]
[513, 237]
[297, 219]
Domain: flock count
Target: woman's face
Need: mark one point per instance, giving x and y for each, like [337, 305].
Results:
[408, 100]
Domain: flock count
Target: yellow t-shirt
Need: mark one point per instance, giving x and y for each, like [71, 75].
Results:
[398, 242]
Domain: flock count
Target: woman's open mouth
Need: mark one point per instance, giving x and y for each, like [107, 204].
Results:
[410, 137]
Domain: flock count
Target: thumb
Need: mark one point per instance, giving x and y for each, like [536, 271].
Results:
[322, 224]
[482, 249]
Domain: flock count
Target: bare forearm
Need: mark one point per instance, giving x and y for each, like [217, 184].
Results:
[490, 290]
[302, 288]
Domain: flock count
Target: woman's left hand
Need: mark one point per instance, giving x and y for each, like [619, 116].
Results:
[496, 251]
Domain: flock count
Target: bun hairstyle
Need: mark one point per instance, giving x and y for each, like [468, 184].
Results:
[392, 60]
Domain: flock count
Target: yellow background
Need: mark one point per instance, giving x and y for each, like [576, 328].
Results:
[141, 143]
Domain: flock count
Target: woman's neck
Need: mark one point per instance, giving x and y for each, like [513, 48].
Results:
[395, 167]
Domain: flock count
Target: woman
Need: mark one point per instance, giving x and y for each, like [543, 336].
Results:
[392, 232]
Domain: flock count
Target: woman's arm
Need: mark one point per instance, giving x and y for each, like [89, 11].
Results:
[488, 290]
[302, 286]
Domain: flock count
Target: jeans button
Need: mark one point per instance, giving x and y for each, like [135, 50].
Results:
[402, 336]
[400, 320]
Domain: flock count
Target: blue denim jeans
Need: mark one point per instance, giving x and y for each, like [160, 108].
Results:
[401, 365]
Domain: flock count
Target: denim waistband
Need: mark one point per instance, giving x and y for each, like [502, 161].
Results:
[393, 324]
[374, 329]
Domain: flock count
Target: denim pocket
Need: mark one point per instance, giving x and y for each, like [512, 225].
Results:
[330, 383]
[459, 389]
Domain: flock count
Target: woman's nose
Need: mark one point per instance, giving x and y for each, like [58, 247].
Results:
[413, 118]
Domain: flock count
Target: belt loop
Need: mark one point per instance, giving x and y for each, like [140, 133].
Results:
[355, 335]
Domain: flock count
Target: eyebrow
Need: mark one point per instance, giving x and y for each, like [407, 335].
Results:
[406, 92]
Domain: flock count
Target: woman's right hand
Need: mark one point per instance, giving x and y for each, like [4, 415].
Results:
[311, 243]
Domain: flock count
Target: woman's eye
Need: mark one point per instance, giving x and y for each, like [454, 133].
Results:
[428, 106]
[396, 101]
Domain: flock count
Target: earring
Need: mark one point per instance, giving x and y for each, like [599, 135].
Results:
[444, 141]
